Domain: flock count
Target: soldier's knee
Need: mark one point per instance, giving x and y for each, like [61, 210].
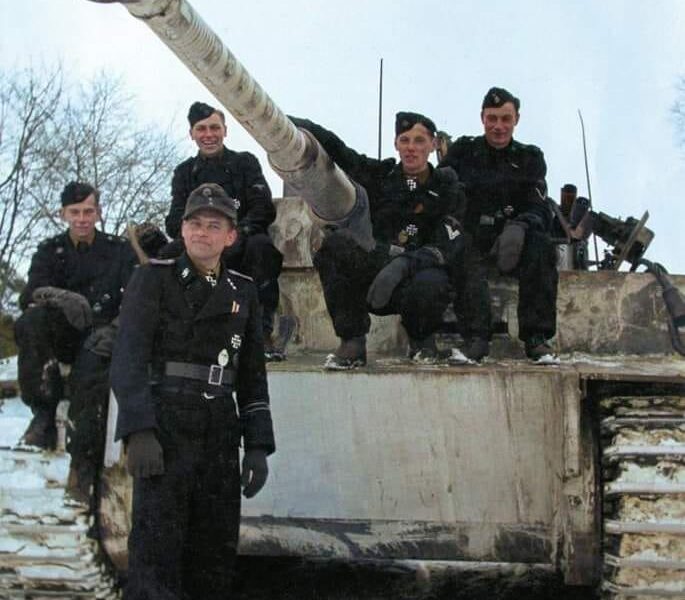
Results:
[261, 253]
[32, 323]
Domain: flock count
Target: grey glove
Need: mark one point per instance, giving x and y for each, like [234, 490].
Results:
[509, 245]
[254, 473]
[386, 281]
[101, 341]
[395, 250]
[145, 456]
[73, 306]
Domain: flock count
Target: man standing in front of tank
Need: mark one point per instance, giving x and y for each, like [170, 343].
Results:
[240, 175]
[190, 336]
[509, 219]
[71, 301]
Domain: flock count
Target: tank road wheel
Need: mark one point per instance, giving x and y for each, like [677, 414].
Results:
[45, 549]
[643, 465]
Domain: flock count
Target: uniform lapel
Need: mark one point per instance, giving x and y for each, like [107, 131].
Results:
[224, 299]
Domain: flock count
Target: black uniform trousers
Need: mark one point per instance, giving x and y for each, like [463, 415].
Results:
[347, 271]
[41, 334]
[538, 280]
[184, 535]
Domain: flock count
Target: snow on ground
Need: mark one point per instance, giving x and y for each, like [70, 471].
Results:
[8, 368]
[14, 419]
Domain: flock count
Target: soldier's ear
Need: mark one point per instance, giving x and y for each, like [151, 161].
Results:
[231, 236]
[516, 119]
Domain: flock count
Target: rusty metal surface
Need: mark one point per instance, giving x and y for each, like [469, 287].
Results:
[359, 539]
[585, 366]
[420, 451]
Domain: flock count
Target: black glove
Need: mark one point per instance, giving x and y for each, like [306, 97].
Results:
[151, 238]
[101, 340]
[246, 229]
[73, 306]
[386, 281]
[509, 245]
[145, 456]
[254, 473]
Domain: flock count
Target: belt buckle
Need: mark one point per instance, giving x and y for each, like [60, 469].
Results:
[216, 374]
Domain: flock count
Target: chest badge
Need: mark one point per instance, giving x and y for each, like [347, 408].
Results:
[222, 358]
[235, 308]
[236, 341]
[451, 233]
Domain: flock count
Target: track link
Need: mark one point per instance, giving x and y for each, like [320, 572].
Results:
[45, 548]
[643, 466]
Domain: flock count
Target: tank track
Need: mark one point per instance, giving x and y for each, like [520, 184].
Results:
[45, 549]
[643, 466]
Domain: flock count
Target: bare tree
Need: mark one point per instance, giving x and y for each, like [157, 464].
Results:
[27, 107]
[51, 133]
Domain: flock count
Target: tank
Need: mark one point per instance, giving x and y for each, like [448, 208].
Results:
[576, 469]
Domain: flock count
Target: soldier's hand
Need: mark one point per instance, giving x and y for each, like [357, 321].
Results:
[145, 456]
[101, 341]
[386, 281]
[73, 306]
[254, 473]
[509, 245]
[151, 238]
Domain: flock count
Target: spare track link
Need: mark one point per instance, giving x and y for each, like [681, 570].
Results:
[45, 548]
[643, 468]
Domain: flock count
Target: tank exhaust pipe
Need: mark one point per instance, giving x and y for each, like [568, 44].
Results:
[295, 155]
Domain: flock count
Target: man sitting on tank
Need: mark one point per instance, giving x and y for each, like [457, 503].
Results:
[416, 212]
[509, 219]
[70, 305]
[240, 175]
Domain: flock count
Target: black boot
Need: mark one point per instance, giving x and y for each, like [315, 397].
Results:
[477, 348]
[272, 351]
[539, 350]
[423, 351]
[349, 355]
[42, 431]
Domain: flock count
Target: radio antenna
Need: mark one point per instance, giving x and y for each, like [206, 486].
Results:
[589, 188]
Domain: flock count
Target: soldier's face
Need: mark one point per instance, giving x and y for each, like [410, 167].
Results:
[414, 147]
[206, 234]
[209, 135]
[499, 124]
[81, 218]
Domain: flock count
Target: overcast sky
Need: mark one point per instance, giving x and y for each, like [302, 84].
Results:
[617, 61]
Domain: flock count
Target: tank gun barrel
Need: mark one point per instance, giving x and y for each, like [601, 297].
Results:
[295, 155]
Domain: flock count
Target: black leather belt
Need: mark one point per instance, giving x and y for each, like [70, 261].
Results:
[213, 374]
